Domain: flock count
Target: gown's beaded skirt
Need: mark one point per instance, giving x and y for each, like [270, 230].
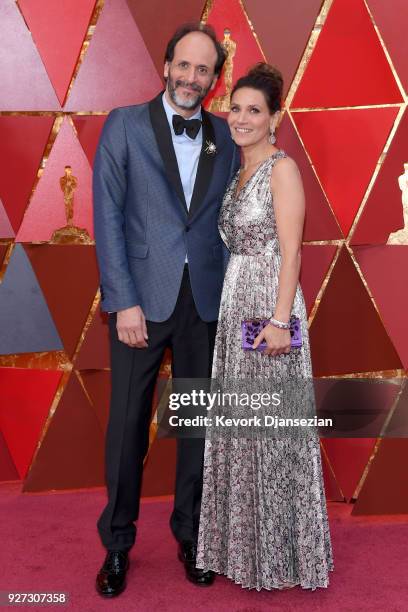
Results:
[263, 512]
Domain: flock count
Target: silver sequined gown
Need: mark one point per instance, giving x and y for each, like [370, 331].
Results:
[263, 512]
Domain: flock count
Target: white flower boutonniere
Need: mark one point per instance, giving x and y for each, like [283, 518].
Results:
[210, 149]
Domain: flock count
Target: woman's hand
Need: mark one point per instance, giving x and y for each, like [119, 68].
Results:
[278, 340]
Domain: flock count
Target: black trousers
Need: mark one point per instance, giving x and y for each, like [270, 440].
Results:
[133, 374]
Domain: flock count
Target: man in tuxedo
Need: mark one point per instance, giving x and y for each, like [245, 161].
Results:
[160, 174]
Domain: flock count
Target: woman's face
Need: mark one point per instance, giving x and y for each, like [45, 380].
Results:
[249, 119]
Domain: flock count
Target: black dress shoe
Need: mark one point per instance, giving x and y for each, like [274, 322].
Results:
[187, 554]
[111, 580]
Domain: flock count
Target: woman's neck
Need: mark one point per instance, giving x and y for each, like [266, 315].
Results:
[253, 155]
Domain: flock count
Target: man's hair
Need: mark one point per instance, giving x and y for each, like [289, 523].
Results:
[198, 26]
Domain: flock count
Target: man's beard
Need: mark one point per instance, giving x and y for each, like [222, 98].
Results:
[190, 104]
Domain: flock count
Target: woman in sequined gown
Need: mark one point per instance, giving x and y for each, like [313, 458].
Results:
[263, 512]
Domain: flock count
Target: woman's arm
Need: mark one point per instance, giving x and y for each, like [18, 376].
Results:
[289, 204]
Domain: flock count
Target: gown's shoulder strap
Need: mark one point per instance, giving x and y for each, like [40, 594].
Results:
[280, 154]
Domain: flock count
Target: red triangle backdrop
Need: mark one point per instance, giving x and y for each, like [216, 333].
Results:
[316, 261]
[229, 14]
[289, 20]
[156, 31]
[382, 213]
[22, 144]
[89, 128]
[344, 167]
[347, 55]
[347, 334]
[346, 106]
[391, 18]
[46, 211]
[58, 29]
[385, 269]
[26, 400]
[385, 490]
[110, 75]
[320, 223]
[71, 455]
[25, 85]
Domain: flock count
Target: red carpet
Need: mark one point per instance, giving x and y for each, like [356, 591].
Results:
[49, 543]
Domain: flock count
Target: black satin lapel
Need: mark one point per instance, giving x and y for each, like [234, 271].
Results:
[162, 134]
[205, 166]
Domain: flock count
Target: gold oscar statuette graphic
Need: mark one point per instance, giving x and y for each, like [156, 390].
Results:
[208, 8]
[221, 104]
[401, 236]
[70, 234]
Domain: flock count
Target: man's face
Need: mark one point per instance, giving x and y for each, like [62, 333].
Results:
[190, 75]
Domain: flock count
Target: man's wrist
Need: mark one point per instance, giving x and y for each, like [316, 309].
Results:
[128, 308]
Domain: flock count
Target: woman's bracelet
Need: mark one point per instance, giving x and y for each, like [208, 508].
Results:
[280, 324]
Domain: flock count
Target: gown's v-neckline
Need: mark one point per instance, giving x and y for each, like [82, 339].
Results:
[237, 194]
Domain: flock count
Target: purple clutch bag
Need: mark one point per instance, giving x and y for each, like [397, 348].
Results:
[252, 327]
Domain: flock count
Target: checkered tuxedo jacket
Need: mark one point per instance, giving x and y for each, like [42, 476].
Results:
[143, 228]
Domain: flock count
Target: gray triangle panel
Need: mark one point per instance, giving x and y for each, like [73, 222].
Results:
[27, 325]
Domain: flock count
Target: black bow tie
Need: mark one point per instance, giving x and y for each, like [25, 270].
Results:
[192, 126]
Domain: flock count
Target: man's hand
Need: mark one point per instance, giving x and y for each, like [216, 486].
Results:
[131, 326]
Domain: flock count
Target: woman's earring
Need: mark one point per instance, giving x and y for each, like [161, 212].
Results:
[272, 137]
